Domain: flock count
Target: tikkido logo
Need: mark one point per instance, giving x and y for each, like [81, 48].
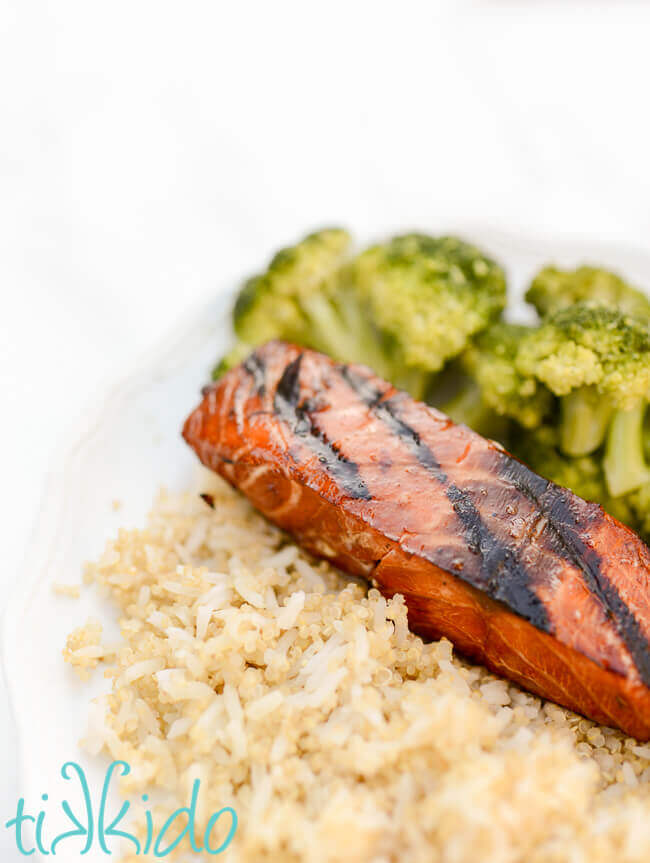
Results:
[96, 832]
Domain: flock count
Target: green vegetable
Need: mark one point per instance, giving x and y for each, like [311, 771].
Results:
[585, 416]
[589, 362]
[491, 361]
[553, 289]
[611, 354]
[430, 295]
[597, 360]
[625, 462]
[300, 297]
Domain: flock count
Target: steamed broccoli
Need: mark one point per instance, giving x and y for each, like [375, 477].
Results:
[429, 295]
[305, 297]
[491, 361]
[611, 356]
[634, 507]
[291, 297]
[553, 289]
[592, 359]
[402, 308]
[597, 360]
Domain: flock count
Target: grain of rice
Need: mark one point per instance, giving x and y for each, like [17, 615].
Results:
[76, 651]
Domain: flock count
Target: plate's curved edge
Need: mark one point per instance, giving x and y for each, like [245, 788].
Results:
[202, 319]
[160, 360]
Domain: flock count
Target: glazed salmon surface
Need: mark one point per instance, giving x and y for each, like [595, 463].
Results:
[522, 575]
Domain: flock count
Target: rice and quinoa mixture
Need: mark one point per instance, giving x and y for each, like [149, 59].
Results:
[301, 699]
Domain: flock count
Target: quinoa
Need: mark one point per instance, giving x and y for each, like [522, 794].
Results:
[83, 649]
[301, 699]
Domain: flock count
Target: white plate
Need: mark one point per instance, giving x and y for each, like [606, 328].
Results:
[129, 447]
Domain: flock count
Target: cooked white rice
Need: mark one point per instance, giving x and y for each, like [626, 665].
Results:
[303, 701]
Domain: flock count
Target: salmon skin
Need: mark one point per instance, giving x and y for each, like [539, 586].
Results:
[520, 574]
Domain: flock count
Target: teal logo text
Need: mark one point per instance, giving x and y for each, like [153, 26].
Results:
[92, 828]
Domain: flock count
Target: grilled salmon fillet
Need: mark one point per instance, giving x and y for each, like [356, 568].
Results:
[521, 575]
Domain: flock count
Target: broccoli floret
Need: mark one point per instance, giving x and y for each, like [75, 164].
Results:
[592, 359]
[305, 296]
[597, 361]
[553, 289]
[292, 299]
[429, 295]
[491, 361]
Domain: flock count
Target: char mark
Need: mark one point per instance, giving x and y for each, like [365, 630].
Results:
[288, 388]
[256, 368]
[551, 501]
[297, 414]
[502, 575]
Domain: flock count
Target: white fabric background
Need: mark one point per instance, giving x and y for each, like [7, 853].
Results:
[150, 151]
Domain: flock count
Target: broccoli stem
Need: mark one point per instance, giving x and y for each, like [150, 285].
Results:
[414, 381]
[468, 407]
[369, 345]
[624, 463]
[585, 417]
[344, 333]
[323, 327]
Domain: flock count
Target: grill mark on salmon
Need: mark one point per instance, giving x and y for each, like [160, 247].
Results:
[589, 561]
[254, 365]
[430, 491]
[503, 576]
[286, 403]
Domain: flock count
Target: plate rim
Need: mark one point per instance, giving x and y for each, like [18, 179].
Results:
[161, 359]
